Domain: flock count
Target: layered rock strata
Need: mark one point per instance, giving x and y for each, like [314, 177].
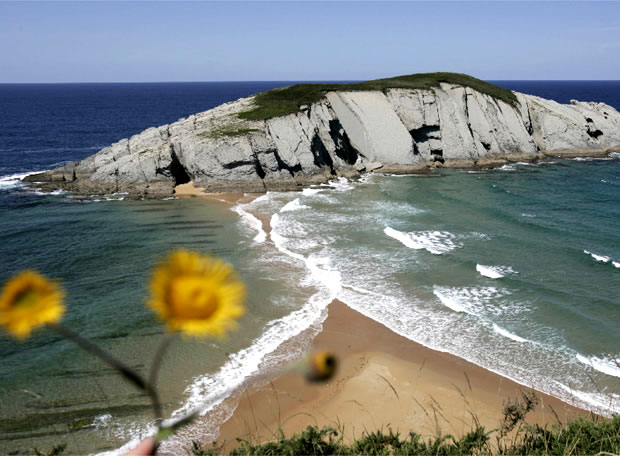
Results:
[344, 134]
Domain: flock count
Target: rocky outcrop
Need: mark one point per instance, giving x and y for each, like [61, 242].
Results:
[344, 134]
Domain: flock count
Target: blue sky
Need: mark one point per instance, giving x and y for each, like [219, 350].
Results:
[224, 41]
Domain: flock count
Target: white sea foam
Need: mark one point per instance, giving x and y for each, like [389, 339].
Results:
[494, 272]
[261, 198]
[435, 242]
[608, 402]
[294, 205]
[503, 332]
[52, 193]
[589, 159]
[341, 184]
[599, 258]
[449, 300]
[102, 420]
[362, 291]
[489, 271]
[507, 168]
[478, 301]
[14, 180]
[608, 365]
[311, 191]
[252, 222]
[525, 214]
[315, 264]
[107, 198]
[602, 258]
[614, 155]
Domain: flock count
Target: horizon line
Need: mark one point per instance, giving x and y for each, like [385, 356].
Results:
[277, 80]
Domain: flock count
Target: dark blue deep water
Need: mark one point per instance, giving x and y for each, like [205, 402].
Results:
[551, 322]
[565, 91]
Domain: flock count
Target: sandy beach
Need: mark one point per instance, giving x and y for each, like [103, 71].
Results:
[384, 381]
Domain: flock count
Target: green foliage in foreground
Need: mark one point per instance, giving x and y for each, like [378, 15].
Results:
[580, 437]
[287, 100]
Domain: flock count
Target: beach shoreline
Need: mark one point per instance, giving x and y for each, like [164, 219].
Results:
[384, 381]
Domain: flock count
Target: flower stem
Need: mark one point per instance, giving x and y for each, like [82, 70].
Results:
[123, 368]
[154, 372]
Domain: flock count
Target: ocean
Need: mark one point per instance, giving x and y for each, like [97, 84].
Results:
[516, 269]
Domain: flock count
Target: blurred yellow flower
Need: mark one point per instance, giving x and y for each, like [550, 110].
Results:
[321, 367]
[30, 300]
[197, 294]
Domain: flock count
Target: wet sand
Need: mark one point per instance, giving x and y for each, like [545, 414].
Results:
[384, 381]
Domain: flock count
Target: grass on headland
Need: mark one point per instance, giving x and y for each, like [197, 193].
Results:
[287, 100]
[580, 437]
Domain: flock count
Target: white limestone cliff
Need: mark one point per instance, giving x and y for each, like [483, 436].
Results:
[345, 133]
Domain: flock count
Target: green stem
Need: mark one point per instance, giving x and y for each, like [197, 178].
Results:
[154, 372]
[148, 386]
[123, 368]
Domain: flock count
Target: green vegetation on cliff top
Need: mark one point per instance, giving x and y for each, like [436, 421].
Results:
[287, 100]
[580, 437]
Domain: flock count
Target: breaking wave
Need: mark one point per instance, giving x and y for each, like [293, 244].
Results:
[252, 222]
[294, 205]
[14, 180]
[608, 366]
[472, 300]
[602, 258]
[503, 332]
[435, 242]
[494, 272]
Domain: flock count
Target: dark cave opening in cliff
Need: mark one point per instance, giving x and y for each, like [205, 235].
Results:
[178, 172]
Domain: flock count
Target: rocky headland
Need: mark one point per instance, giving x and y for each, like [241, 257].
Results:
[307, 134]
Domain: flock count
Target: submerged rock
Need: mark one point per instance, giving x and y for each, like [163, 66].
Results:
[345, 133]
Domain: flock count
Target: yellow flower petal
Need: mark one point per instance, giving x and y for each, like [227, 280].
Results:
[196, 294]
[30, 300]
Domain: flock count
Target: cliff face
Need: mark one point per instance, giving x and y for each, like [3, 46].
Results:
[344, 134]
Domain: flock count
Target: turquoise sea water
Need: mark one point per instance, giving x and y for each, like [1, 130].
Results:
[515, 269]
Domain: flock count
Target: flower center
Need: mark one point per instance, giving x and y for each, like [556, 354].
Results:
[192, 297]
[26, 298]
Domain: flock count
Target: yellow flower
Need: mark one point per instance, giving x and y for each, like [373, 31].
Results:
[321, 367]
[196, 294]
[30, 300]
